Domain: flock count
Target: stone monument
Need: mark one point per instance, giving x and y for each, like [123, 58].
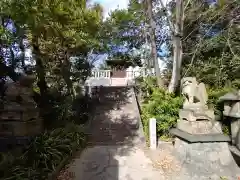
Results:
[19, 115]
[200, 144]
[196, 117]
[232, 112]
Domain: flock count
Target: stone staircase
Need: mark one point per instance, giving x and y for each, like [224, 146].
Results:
[118, 82]
[107, 82]
[116, 119]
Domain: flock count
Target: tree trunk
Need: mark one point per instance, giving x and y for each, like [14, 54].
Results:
[22, 48]
[177, 45]
[177, 62]
[66, 67]
[39, 68]
[153, 43]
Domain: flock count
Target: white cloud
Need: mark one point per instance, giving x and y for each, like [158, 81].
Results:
[110, 5]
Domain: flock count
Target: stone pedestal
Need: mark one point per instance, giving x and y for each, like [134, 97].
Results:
[199, 127]
[209, 157]
[202, 161]
[192, 114]
[235, 132]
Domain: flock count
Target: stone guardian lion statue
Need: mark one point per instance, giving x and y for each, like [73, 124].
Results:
[195, 94]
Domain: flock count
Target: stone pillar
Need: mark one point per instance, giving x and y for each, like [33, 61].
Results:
[231, 111]
[90, 90]
[153, 133]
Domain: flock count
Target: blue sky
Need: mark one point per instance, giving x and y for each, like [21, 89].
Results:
[109, 5]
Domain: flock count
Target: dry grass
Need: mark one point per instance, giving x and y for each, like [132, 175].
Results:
[164, 160]
[65, 175]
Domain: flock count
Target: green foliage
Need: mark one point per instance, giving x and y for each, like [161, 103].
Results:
[124, 29]
[146, 86]
[55, 31]
[217, 106]
[213, 33]
[46, 152]
[214, 95]
[160, 105]
[62, 109]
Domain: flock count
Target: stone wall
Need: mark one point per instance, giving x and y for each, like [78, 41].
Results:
[19, 114]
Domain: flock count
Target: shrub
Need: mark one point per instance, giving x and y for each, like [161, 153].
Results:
[213, 97]
[160, 105]
[46, 152]
[145, 86]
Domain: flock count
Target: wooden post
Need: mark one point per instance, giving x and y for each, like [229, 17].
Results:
[153, 133]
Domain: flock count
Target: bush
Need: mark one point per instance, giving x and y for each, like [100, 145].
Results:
[165, 107]
[213, 102]
[145, 86]
[62, 109]
[160, 105]
[46, 152]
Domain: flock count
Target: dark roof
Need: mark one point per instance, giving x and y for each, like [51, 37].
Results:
[122, 62]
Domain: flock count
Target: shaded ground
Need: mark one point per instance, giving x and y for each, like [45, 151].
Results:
[116, 149]
[116, 119]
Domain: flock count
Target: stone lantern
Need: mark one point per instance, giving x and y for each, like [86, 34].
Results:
[232, 112]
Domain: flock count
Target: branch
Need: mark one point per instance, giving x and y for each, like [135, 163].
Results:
[200, 44]
[168, 19]
[228, 40]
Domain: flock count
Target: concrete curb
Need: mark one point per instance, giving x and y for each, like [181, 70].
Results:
[140, 125]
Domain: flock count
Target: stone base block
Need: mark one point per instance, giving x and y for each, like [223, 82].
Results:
[18, 128]
[199, 127]
[18, 116]
[196, 114]
[204, 161]
[235, 132]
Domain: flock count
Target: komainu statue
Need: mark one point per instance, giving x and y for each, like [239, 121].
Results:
[195, 95]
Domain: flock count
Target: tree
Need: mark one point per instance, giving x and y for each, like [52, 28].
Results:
[152, 31]
[56, 33]
[213, 56]
[177, 46]
[122, 30]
